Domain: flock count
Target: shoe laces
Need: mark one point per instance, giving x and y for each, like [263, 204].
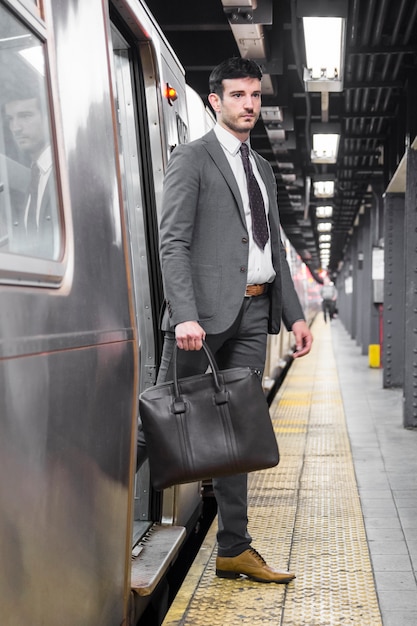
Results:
[257, 556]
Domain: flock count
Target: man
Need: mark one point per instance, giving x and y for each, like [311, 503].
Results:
[220, 284]
[35, 224]
[329, 297]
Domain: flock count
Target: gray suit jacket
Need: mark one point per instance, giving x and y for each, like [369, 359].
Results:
[204, 242]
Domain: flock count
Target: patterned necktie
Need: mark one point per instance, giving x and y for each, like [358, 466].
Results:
[256, 202]
[31, 223]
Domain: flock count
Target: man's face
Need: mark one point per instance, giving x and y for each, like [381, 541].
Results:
[25, 122]
[240, 107]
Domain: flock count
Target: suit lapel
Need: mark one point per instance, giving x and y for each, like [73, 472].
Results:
[216, 152]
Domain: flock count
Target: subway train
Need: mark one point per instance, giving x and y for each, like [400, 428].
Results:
[93, 93]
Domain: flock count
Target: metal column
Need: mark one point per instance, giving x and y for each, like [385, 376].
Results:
[410, 247]
[394, 292]
[359, 286]
[344, 294]
[369, 310]
[354, 255]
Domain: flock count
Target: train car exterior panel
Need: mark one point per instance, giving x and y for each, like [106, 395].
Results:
[65, 486]
[68, 360]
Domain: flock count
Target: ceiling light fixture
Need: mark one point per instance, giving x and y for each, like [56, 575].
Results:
[326, 138]
[324, 211]
[325, 238]
[324, 26]
[323, 188]
[324, 227]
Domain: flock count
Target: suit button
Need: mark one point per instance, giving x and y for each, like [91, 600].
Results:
[243, 269]
[245, 240]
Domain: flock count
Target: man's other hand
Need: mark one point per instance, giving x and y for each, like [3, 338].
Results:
[303, 338]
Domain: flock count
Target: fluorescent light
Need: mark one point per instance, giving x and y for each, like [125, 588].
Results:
[324, 211]
[323, 43]
[324, 246]
[325, 148]
[325, 237]
[324, 25]
[323, 188]
[324, 227]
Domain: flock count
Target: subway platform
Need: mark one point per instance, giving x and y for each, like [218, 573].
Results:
[340, 509]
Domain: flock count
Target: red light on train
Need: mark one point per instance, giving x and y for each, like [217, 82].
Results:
[170, 94]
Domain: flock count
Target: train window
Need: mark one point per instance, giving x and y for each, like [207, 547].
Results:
[29, 212]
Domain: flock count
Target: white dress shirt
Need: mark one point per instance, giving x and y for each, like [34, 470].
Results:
[44, 163]
[260, 268]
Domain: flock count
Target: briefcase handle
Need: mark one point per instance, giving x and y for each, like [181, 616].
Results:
[221, 394]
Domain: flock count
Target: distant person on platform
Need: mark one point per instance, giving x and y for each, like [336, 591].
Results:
[329, 298]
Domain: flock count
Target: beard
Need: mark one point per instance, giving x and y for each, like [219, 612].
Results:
[239, 124]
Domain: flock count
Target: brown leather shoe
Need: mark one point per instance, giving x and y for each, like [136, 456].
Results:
[252, 565]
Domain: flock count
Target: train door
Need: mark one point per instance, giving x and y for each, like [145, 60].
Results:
[144, 263]
[149, 128]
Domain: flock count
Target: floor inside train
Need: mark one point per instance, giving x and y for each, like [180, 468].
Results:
[340, 509]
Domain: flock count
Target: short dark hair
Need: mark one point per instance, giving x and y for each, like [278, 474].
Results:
[235, 67]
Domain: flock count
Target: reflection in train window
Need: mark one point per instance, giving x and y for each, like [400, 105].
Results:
[29, 214]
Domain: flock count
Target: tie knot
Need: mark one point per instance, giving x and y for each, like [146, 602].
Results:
[244, 150]
[35, 171]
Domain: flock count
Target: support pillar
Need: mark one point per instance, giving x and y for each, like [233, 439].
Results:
[410, 248]
[394, 292]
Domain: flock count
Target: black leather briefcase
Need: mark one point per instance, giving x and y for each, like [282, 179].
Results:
[206, 426]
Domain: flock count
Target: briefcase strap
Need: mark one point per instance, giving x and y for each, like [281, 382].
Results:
[221, 394]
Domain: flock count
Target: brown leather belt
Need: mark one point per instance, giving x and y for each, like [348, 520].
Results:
[256, 290]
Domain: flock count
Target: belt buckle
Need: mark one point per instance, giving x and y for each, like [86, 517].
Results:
[259, 290]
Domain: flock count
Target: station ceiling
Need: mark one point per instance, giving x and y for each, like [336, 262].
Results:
[380, 78]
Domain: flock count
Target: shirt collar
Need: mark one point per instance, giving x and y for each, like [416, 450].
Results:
[44, 162]
[228, 141]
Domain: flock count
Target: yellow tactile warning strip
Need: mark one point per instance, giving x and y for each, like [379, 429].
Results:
[305, 515]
